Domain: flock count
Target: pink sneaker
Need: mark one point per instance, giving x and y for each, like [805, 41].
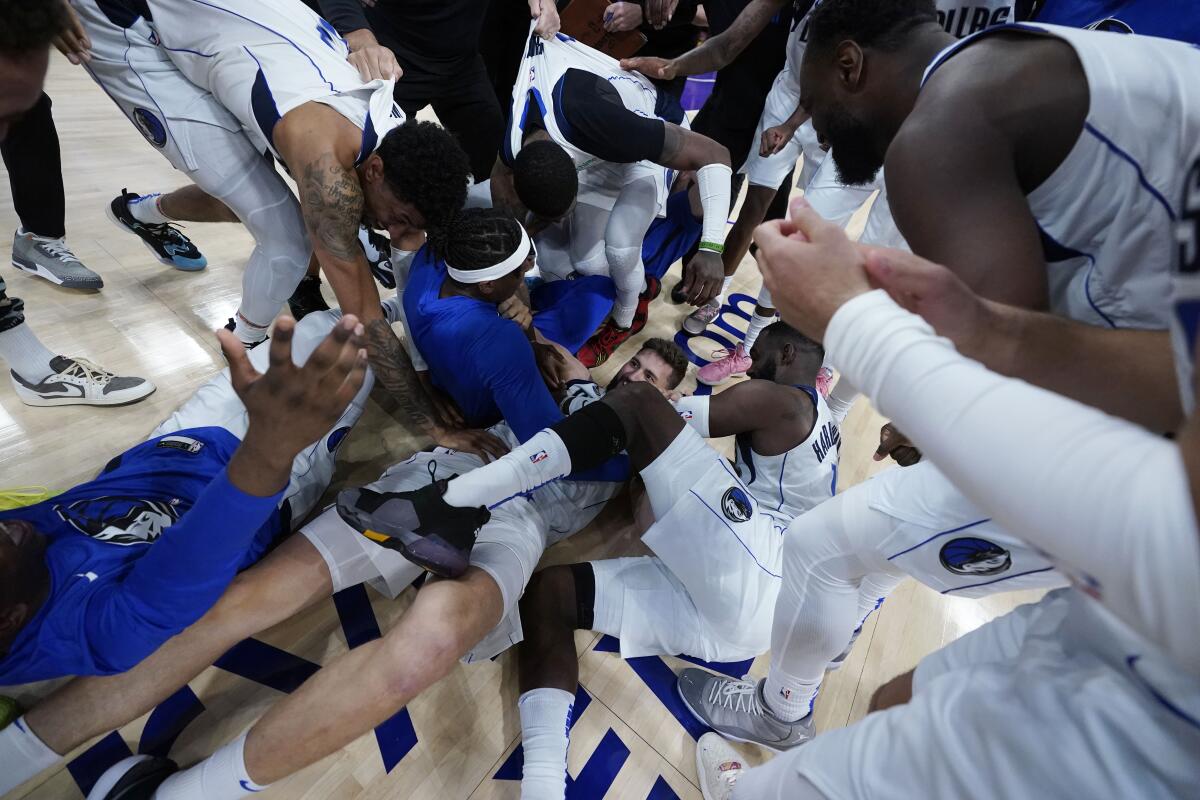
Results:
[824, 381]
[727, 364]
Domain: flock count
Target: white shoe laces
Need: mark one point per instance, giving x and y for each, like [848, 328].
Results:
[740, 696]
[57, 248]
[85, 370]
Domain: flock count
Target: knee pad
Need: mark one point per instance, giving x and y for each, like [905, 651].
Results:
[595, 264]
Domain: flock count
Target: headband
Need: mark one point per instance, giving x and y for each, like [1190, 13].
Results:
[496, 270]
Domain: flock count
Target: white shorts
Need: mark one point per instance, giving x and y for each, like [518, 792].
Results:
[781, 103]
[1046, 702]
[710, 589]
[263, 58]
[508, 547]
[941, 539]
[216, 404]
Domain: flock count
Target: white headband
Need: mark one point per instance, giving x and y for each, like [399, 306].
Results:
[496, 270]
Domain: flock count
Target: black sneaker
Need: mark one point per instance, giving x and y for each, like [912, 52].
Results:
[420, 525]
[378, 250]
[307, 298]
[165, 241]
[134, 778]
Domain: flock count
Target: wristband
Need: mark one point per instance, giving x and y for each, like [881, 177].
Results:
[711, 247]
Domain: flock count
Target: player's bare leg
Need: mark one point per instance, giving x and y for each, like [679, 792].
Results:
[288, 580]
[190, 203]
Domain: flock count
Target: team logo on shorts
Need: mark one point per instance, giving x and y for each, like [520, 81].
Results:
[150, 126]
[538, 457]
[971, 556]
[736, 505]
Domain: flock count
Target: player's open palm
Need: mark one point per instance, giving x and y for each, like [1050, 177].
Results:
[292, 406]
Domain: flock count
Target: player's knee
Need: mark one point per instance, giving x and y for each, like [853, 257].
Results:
[549, 599]
[624, 263]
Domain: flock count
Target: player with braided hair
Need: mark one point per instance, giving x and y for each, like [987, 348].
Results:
[462, 296]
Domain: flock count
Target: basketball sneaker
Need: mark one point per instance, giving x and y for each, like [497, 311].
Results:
[702, 317]
[736, 710]
[307, 298]
[605, 341]
[718, 766]
[231, 326]
[824, 382]
[418, 524]
[77, 381]
[53, 260]
[164, 240]
[133, 778]
[726, 364]
[378, 250]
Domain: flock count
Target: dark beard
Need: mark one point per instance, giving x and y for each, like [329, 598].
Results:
[766, 372]
[852, 149]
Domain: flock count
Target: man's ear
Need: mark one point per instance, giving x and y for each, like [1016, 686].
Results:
[848, 61]
[372, 168]
[787, 353]
[486, 288]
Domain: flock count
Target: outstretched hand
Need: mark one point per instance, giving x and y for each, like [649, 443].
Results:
[703, 277]
[810, 268]
[662, 69]
[72, 41]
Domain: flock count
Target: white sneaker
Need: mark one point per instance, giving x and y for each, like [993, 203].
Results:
[718, 767]
[77, 381]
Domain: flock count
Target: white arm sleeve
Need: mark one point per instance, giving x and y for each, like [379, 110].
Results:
[694, 411]
[1106, 499]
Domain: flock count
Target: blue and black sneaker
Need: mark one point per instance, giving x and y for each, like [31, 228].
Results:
[165, 241]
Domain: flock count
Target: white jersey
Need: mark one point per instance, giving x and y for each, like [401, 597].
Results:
[1106, 213]
[788, 484]
[1185, 322]
[263, 58]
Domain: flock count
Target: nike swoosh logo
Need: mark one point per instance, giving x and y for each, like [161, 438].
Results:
[59, 389]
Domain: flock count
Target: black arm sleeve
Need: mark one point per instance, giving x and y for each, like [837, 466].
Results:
[344, 15]
[597, 122]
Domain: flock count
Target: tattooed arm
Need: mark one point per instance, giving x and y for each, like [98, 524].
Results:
[320, 146]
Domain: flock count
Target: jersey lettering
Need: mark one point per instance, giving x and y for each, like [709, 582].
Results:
[964, 21]
[1187, 229]
[536, 48]
[830, 438]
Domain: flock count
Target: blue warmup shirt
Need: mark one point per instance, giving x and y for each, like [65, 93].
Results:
[137, 555]
[476, 356]
[482, 360]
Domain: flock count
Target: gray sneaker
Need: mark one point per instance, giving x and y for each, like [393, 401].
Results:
[702, 317]
[735, 709]
[53, 260]
[77, 381]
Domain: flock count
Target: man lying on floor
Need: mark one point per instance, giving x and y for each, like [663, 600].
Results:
[367, 685]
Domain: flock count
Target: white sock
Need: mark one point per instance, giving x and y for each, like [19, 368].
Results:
[540, 460]
[22, 232]
[248, 332]
[22, 755]
[622, 315]
[757, 323]
[787, 698]
[545, 715]
[25, 354]
[145, 209]
[221, 776]
[720, 299]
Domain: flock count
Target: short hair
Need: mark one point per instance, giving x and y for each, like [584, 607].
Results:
[780, 333]
[27, 26]
[671, 353]
[425, 166]
[476, 238]
[881, 24]
[545, 178]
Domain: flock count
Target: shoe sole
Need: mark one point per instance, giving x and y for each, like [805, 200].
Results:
[428, 552]
[108, 212]
[723, 734]
[33, 268]
[691, 327]
[31, 399]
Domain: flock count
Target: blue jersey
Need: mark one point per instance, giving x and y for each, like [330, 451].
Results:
[137, 555]
[476, 356]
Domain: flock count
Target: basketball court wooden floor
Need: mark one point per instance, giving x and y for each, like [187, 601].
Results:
[632, 738]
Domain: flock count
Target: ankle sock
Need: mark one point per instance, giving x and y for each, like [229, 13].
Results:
[757, 323]
[221, 776]
[145, 209]
[789, 699]
[25, 354]
[22, 755]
